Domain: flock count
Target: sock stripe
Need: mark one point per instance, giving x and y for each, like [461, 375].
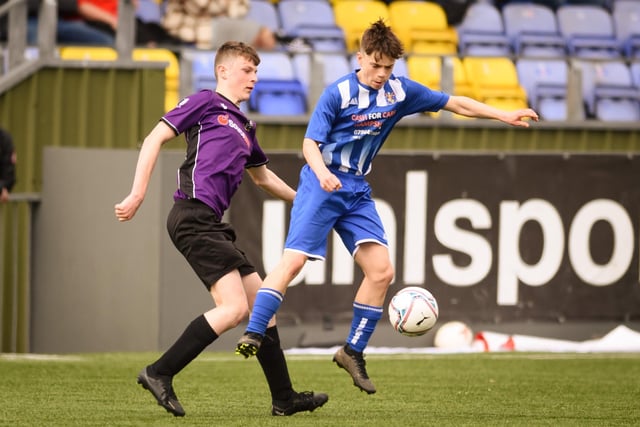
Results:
[367, 307]
[271, 292]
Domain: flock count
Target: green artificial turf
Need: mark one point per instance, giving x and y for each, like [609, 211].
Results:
[222, 389]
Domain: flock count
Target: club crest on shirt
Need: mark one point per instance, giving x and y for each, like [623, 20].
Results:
[390, 97]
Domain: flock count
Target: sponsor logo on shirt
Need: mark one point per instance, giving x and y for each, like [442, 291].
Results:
[182, 102]
[224, 120]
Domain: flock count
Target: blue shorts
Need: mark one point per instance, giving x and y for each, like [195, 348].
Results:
[350, 211]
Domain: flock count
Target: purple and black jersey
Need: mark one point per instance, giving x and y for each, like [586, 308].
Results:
[221, 143]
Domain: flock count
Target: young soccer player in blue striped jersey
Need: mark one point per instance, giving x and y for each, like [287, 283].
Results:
[351, 121]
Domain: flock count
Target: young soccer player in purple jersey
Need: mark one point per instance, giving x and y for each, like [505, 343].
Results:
[351, 121]
[221, 145]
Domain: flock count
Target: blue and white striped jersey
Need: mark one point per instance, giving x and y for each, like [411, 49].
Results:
[351, 121]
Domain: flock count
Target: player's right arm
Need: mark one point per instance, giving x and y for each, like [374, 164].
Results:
[161, 133]
[313, 156]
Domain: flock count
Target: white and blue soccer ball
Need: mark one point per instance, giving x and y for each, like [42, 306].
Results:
[413, 311]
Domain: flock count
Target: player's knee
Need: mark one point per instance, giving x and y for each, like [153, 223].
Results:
[237, 313]
[292, 266]
[384, 275]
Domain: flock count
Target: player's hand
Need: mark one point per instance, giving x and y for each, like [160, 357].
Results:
[126, 209]
[330, 182]
[521, 117]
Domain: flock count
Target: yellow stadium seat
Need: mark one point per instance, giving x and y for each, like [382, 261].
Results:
[428, 71]
[422, 27]
[85, 53]
[172, 73]
[355, 16]
[495, 81]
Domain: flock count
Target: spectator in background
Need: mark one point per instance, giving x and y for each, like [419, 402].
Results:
[149, 30]
[103, 16]
[208, 24]
[7, 165]
[72, 29]
[100, 14]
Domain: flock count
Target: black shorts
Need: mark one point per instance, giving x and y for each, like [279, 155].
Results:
[206, 243]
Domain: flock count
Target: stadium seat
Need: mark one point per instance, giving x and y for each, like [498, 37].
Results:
[635, 73]
[355, 16]
[533, 30]
[626, 19]
[605, 4]
[172, 72]
[608, 90]
[85, 53]
[428, 71]
[422, 27]
[278, 90]
[334, 66]
[495, 82]
[545, 81]
[201, 65]
[588, 31]
[482, 33]
[264, 12]
[314, 21]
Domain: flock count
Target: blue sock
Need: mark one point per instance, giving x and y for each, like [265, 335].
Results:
[267, 303]
[365, 319]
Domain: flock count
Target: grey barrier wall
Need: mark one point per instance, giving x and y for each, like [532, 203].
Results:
[568, 223]
[101, 285]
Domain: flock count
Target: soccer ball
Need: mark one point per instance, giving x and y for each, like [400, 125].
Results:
[453, 335]
[413, 311]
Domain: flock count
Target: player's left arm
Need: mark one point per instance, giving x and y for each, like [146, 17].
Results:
[469, 107]
[267, 180]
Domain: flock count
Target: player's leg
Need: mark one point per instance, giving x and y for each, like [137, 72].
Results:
[284, 399]
[231, 308]
[311, 220]
[267, 301]
[362, 233]
[208, 246]
[373, 258]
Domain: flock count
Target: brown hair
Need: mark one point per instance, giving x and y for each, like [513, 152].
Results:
[233, 49]
[380, 40]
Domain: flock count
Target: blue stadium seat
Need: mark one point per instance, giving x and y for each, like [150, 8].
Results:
[482, 33]
[264, 12]
[533, 30]
[202, 69]
[314, 21]
[278, 90]
[626, 18]
[545, 81]
[334, 65]
[589, 31]
[608, 90]
[635, 73]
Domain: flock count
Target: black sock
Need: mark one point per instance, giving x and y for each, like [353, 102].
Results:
[350, 351]
[195, 338]
[274, 365]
